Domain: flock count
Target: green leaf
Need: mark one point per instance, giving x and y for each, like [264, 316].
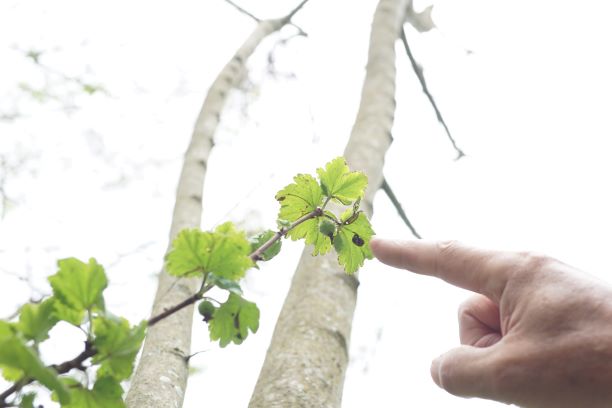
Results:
[16, 354]
[309, 230]
[258, 240]
[117, 344]
[78, 286]
[233, 319]
[35, 320]
[299, 198]
[11, 374]
[223, 283]
[106, 393]
[66, 313]
[338, 182]
[27, 401]
[352, 243]
[225, 252]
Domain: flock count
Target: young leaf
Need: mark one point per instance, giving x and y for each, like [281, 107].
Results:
[313, 236]
[117, 344]
[78, 285]
[225, 252]
[11, 374]
[258, 240]
[223, 283]
[106, 393]
[338, 182]
[27, 401]
[233, 319]
[35, 320]
[352, 243]
[299, 198]
[66, 313]
[15, 354]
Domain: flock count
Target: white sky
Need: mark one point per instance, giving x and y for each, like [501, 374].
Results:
[530, 107]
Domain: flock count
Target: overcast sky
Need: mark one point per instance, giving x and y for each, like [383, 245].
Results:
[94, 175]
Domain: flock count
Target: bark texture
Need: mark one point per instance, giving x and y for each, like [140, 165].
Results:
[306, 362]
[161, 377]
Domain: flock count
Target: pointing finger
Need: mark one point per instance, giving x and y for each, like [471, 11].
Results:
[478, 270]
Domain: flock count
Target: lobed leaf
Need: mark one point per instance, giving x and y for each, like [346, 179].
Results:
[352, 243]
[117, 344]
[309, 230]
[35, 320]
[299, 198]
[27, 401]
[77, 287]
[233, 320]
[16, 354]
[106, 393]
[225, 252]
[339, 183]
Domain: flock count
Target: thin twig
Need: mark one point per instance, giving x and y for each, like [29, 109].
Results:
[256, 255]
[62, 368]
[419, 73]
[243, 11]
[295, 10]
[398, 206]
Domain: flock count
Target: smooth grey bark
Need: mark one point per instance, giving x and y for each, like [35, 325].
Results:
[160, 379]
[306, 362]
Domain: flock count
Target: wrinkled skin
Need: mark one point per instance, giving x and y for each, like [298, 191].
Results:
[536, 333]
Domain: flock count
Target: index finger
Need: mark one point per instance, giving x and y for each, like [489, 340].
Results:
[479, 270]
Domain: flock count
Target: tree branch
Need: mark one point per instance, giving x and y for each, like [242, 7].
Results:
[62, 368]
[398, 206]
[243, 11]
[419, 73]
[90, 351]
[256, 255]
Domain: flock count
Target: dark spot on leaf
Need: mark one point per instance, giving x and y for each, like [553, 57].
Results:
[281, 198]
[357, 240]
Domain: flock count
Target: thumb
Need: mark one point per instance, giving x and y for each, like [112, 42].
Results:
[466, 371]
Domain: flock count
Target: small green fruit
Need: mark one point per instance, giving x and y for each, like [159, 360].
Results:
[327, 228]
[207, 310]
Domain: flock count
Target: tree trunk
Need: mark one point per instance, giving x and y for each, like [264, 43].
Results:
[161, 377]
[308, 355]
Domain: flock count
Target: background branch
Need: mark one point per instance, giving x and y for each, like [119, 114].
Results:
[398, 206]
[419, 73]
[243, 11]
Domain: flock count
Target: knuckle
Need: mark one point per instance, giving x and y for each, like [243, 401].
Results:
[446, 252]
[532, 262]
[448, 246]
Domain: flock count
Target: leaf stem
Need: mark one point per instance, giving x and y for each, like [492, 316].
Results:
[257, 254]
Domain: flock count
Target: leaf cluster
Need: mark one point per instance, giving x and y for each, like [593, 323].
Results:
[77, 300]
[348, 233]
[324, 211]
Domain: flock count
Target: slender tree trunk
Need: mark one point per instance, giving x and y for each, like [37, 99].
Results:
[161, 377]
[308, 355]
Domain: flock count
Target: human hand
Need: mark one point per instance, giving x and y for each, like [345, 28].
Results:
[538, 333]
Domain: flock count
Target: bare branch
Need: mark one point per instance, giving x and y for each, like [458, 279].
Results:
[419, 73]
[243, 11]
[398, 206]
